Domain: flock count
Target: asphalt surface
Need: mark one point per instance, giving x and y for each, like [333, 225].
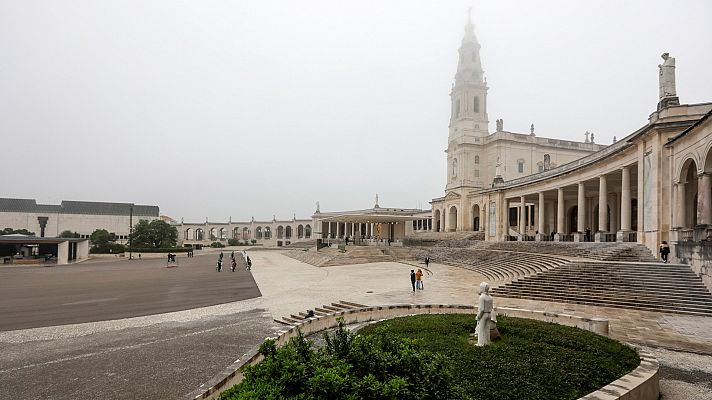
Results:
[189, 324]
[33, 297]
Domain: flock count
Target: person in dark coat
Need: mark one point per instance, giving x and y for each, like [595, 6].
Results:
[412, 279]
[664, 251]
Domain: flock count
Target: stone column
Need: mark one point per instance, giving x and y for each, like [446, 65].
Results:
[505, 210]
[522, 218]
[329, 233]
[680, 211]
[581, 215]
[602, 208]
[541, 234]
[704, 205]
[625, 200]
[483, 216]
[560, 209]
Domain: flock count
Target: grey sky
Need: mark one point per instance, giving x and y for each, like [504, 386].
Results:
[242, 108]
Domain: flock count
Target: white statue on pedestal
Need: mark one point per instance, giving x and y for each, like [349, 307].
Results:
[498, 168]
[667, 77]
[485, 316]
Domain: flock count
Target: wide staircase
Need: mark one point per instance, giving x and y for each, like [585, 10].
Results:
[330, 257]
[599, 251]
[496, 266]
[658, 287]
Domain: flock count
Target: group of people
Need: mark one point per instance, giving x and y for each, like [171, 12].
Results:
[190, 253]
[416, 278]
[233, 263]
[171, 257]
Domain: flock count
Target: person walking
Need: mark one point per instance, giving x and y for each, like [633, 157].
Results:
[419, 279]
[664, 251]
[232, 255]
[427, 262]
[219, 265]
[249, 263]
[234, 265]
[412, 279]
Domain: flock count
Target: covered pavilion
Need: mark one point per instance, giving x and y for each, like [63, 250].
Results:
[374, 226]
[23, 249]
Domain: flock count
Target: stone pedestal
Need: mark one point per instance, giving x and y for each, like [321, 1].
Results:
[541, 237]
[600, 236]
[520, 238]
[668, 101]
[579, 237]
[558, 237]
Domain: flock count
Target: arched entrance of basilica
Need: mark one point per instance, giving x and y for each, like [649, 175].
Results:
[476, 217]
[436, 221]
[452, 219]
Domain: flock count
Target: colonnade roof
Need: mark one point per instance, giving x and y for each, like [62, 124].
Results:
[583, 162]
[368, 218]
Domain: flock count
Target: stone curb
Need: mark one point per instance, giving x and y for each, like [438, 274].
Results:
[641, 384]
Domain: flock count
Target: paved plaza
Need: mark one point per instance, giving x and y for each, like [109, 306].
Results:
[172, 354]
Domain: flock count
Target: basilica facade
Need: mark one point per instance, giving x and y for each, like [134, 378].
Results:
[476, 157]
[652, 186]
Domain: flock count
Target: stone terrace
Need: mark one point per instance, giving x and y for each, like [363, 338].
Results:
[597, 251]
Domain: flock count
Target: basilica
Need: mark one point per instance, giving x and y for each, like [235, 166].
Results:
[652, 186]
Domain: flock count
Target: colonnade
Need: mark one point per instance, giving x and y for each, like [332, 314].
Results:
[613, 221]
[339, 230]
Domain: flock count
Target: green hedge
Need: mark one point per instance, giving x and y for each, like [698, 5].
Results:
[157, 250]
[534, 359]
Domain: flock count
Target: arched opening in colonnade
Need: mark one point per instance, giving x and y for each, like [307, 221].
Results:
[222, 234]
[268, 233]
[258, 232]
[213, 234]
[288, 232]
[236, 233]
[476, 217]
[245, 233]
[300, 231]
[307, 231]
[199, 234]
[188, 234]
[688, 181]
[280, 232]
[452, 219]
[436, 221]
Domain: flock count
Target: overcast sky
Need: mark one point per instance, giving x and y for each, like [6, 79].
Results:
[253, 108]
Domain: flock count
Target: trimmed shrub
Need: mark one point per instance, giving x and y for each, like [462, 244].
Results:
[233, 242]
[159, 250]
[534, 359]
[217, 245]
[108, 248]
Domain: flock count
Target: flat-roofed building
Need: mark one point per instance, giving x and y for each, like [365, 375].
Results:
[82, 217]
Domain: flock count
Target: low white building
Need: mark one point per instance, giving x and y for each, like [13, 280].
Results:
[82, 217]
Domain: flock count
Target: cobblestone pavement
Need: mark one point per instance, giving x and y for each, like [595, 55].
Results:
[169, 355]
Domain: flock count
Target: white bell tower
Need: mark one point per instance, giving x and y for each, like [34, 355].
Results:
[468, 119]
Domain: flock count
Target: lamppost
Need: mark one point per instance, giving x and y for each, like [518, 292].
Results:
[130, 231]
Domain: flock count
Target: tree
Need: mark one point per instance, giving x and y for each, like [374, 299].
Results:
[100, 238]
[69, 235]
[157, 233]
[103, 242]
